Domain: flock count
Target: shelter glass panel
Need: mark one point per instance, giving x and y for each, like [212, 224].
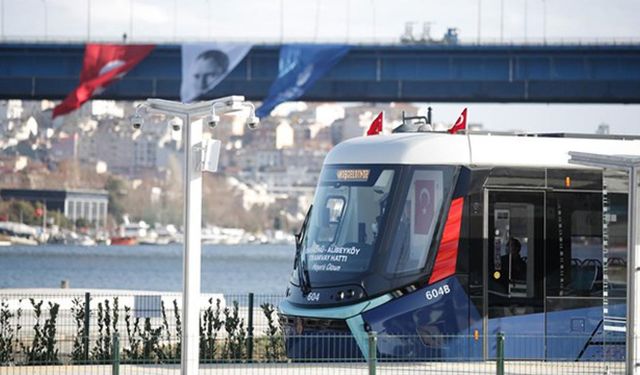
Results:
[614, 253]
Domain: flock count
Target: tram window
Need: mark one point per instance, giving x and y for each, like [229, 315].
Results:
[574, 179]
[574, 256]
[501, 176]
[343, 231]
[513, 261]
[330, 216]
[417, 222]
[515, 253]
[334, 209]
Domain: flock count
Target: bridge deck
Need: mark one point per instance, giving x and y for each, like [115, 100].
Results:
[603, 74]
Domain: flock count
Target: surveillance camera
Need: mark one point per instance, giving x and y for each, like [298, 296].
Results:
[213, 121]
[252, 122]
[136, 121]
[175, 124]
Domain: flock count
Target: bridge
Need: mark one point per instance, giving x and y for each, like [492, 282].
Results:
[424, 73]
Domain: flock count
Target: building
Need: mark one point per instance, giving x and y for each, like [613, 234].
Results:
[90, 205]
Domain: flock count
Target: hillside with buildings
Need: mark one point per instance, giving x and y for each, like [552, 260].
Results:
[266, 178]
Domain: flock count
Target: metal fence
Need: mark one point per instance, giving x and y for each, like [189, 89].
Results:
[141, 333]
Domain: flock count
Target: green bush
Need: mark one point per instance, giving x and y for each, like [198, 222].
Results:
[210, 325]
[8, 333]
[42, 349]
[79, 343]
[274, 346]
[236, 342]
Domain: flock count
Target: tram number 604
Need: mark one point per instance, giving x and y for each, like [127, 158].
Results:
[437, 292]
[313, 297]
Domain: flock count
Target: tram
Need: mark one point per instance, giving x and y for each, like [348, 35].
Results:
[420, 236]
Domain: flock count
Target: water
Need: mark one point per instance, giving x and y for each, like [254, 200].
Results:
[235, 269]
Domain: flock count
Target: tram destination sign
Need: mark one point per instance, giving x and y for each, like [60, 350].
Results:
[352, 174]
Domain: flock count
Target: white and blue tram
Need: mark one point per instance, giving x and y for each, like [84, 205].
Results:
[427, 235]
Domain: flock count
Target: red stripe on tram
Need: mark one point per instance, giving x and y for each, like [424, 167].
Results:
[447, 256]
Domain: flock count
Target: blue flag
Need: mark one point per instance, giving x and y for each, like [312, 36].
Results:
[300, 66]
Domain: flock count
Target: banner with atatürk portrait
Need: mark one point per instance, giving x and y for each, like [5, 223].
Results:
[205, 65]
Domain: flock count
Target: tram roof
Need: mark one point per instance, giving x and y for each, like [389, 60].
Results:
[522, 150]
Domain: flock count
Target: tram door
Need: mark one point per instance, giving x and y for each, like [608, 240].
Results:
[515, 250]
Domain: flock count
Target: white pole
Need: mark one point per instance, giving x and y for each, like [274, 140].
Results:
[88, 20]
[46, 27]
[192, 114]
[544, 21]
[209, 18]
[373, 22]
[525, 21]
[348, 19]
[501, 21]
[281, 21]
[44, 217]
[131, 20]
[175, 19]
[632, 280]
[479, 20]
[2, 16]
[191, 259]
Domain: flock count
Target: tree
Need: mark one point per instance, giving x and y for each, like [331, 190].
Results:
[117, 192]
[22, 211]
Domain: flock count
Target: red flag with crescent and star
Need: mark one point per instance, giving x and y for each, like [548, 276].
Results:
[376, 125]
[424, 203]
[461, 123]
[102, 65]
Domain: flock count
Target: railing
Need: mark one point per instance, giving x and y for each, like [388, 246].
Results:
[240, 334]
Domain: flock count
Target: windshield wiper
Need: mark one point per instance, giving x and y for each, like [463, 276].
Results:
[303, 274]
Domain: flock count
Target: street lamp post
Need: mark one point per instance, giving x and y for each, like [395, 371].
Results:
[198, 157]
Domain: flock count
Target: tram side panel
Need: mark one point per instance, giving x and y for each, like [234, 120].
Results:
[439, 320]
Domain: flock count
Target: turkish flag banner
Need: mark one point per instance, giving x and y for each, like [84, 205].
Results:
[461, 123]
[102, 65]
[376, 125]
[424, 204]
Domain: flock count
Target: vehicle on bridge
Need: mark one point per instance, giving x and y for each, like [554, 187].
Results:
[439, 241]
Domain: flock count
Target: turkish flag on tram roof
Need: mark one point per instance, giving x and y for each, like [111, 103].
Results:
[103, 64]
[461, 123]
[376, 125]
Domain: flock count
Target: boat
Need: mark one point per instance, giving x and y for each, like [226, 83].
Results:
[124, 240]
[130, 233]
[18, 233]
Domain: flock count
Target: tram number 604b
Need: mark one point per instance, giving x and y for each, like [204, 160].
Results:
[437, 292]
[313, 297]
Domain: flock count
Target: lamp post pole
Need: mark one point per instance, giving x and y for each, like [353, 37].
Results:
[198, 157]
[192, 217]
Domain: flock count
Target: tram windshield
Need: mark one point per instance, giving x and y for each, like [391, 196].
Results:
[356, 206]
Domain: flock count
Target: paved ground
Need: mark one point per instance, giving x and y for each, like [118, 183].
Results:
[511, 368]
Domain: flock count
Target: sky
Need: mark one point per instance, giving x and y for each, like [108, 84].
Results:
[351, 21]
[355, 21]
